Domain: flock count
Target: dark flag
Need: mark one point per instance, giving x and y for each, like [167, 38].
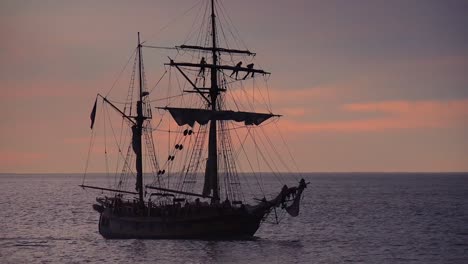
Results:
[93, 114]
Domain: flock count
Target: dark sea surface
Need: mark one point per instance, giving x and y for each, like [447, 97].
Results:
[345, 218]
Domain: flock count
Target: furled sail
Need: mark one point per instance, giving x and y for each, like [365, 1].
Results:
[188, 116]
[209, 184]
[136, 145]
[293, 209]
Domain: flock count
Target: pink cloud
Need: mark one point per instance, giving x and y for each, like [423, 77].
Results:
[19, 159]
[287, 96]
[50, 88]
[292, 111]
[291, 102]
[397, 115]
[437, 109]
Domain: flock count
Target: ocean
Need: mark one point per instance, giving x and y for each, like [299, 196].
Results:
[345, 218]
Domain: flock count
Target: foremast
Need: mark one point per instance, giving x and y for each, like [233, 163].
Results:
[137, 126]
[137, 129]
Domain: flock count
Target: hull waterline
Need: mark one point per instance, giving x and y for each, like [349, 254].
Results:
[232, 225]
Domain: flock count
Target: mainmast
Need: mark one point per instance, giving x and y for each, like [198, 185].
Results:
[211, 173]
[214, 113]
[138, 129]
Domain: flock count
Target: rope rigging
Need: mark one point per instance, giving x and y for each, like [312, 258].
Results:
[181, 164]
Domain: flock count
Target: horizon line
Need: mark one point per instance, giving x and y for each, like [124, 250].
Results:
[307, 172]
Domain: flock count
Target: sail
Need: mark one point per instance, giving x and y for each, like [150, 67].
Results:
[293, 209]
[188, 116]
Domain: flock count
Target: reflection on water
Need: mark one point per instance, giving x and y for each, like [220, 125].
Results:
[369, 218]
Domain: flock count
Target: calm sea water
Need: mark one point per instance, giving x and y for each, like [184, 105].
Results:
[345, 218]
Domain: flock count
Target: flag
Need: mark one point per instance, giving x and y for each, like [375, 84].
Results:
[93, 114]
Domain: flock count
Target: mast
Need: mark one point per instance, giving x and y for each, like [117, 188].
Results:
[211, 173]
[138, 129]
[210, 94]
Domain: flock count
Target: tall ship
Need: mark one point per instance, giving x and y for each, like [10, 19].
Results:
[195, 187]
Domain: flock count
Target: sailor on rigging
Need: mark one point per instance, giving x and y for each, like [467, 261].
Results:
[236, 70]
[202, 70]
[249, 67]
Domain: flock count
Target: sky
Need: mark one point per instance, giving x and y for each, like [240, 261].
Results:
[363, 85]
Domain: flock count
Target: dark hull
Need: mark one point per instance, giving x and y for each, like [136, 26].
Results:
[223, 225]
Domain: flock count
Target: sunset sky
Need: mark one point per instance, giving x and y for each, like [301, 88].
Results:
[363, 85]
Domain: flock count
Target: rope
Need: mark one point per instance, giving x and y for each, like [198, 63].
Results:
[274, 150]
[152, 89]
[171, 22]
[289, 152]
[120, 74]
[248, 161]
[189, 32]
[104, 109]
[91, 143]
[275, 173]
